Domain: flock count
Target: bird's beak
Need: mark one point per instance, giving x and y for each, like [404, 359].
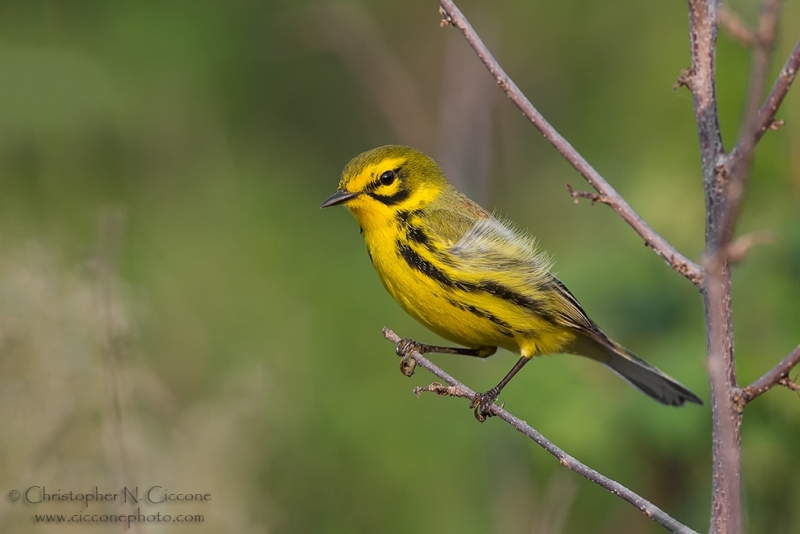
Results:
[339, 197]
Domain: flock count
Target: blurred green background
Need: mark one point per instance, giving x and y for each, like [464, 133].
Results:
[175, 310]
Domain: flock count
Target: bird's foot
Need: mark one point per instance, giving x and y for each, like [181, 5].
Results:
[404, 349]
[483, 404]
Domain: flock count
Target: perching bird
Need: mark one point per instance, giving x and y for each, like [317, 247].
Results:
[471, 278]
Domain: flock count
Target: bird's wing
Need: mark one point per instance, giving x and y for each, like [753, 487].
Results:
[502, 252]
[572, 312]
[451, 221]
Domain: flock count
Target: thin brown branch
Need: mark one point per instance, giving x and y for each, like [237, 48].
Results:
[594, 197]
[684, 80]
[453, 16]
[738, 250]
[762, 52]
[765, 119]
[790, 384]
[771, 378]
[458, 389]
[735, 27]
[756, 120]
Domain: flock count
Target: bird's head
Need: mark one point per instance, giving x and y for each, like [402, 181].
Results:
[384, 181]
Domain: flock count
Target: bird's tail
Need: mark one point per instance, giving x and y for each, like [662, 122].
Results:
[640, 374]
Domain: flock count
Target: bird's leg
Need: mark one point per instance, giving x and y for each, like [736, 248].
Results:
[483, 401]
[407, 345]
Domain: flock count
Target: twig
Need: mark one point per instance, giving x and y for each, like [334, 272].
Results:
[771, 378]
[594, 197]
[453, 16]
[738, 161]
[788, 383]
[763, 45]
[766, 115]
[458, 389]
[736, 27]
[756, 121]
[738, 250]
[684, 80]
[765, 119]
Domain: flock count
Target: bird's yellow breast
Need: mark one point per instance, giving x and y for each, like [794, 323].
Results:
[427, 300]
[460, 303]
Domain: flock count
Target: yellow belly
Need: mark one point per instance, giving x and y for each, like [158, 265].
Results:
[467, 318]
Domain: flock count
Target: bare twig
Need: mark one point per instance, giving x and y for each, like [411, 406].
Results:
[594, 197]
[771, 378]
[766, 115]
[738, 250]
[736, 27]
[756, 121]
[788, 383]
[762, 51]
[458, 389]
[453, 16]
[738, 161]
[684, 80]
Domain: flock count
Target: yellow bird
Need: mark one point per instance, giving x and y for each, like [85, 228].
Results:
[471, 278]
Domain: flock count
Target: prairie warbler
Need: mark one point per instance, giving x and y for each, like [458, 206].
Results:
[471, 278]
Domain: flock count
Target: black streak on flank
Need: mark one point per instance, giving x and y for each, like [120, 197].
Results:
[503, 326]
[414, 233]
[417, 235]
[502, 292]
[418, 263]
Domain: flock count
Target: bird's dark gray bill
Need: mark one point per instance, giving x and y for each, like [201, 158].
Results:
[339, 197]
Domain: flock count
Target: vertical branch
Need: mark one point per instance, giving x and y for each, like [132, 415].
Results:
[724, 178]
[726, 420]
[703, 22]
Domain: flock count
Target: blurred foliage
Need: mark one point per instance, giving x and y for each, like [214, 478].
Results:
[176, 310]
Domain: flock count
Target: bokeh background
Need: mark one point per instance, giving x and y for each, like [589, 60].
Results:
[175, 310]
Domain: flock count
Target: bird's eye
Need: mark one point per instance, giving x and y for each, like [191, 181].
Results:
[388, 177]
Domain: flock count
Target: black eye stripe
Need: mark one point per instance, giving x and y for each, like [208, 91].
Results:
[396, 198]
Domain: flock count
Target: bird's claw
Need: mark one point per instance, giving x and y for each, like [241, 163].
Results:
[404, 349]
[482, 404]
